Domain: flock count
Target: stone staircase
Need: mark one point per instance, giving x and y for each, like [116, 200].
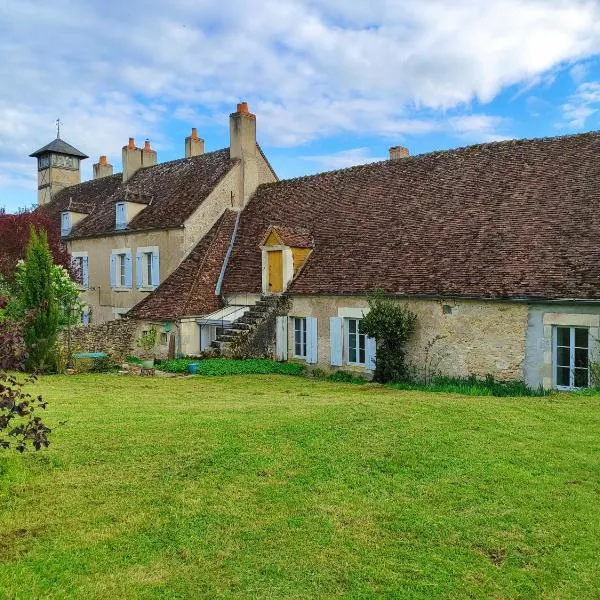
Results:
[244, 326]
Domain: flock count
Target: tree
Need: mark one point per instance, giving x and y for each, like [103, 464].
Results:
[392, 325]
[14, 236]
[19, 425]
[38, 298]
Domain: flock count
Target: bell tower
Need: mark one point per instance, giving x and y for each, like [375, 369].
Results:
[58, 168]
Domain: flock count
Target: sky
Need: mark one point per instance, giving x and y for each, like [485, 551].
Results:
[333, 83]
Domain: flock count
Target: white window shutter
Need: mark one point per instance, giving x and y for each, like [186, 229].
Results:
[128, 271]
[371, 352]
[139, 269]
[113, 270]
[85, 273]
[311, 340]
[155, 267]
[281, 338]
[336, 339]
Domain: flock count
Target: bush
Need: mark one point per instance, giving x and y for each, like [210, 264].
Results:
[224, 366]
[471, 386]
[346, 377]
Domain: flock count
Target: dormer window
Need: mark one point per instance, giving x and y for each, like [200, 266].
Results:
[121, 215]
[65, 223]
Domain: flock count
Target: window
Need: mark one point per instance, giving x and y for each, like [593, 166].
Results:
[77, 262]
[356, 343]
[148, 267]
[120, 215]
[571, 357]
[65, 223]
[299, 337]
[120, 268]
[164, 339]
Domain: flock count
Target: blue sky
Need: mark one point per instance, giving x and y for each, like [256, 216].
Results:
[332, 83]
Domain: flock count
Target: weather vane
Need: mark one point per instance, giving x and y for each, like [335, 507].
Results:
[58, 127]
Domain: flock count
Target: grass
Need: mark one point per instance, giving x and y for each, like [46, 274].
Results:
[226, 366]
[280, 487]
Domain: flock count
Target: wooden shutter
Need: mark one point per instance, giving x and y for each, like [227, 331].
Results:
[311, 340]
[139, 266]
[156, 267]
[371, 352]
[128, 271]
[85, 274]
[336, 340]
[121, 221]
[85, 317]
[281, 338]
[113, 270]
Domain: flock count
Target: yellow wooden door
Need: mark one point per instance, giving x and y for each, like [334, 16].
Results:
[275, 260]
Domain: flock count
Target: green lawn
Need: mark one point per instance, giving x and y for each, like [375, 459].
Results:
[288, 487]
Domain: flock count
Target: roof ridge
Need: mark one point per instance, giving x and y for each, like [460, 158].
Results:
[424, 155]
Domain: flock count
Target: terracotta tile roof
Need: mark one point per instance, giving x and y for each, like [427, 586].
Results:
[172, 190]
[295, 237]
[190, 289]
[515, 219]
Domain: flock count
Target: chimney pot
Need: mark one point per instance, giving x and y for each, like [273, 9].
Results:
[102, 168]
[242, 107]
[131, 144]
[194, 133]
[398, 152]
[147, 146]
[103, 161]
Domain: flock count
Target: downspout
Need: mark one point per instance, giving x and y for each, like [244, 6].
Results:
[227, 255]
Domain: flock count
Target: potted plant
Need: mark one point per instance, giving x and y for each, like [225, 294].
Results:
[146, 343]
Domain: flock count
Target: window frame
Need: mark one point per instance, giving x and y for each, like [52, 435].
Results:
[347, 335]
[572, 354]
[300, 337]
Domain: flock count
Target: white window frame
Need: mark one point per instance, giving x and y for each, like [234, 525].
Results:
[572, 347]
[300, 332]
[121, 255]
[146, 255]
[82, 257]
[358, 335]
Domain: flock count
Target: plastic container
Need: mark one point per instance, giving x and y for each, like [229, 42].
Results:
[193, 368]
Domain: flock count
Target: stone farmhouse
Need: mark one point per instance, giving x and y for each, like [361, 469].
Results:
[493, 246]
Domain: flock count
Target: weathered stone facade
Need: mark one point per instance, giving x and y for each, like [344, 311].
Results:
[473, 337]
[116, 338]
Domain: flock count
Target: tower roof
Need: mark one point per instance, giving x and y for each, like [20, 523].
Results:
[59, 146]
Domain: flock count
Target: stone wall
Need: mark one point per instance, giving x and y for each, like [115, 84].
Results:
[116, 338]
[473, 337]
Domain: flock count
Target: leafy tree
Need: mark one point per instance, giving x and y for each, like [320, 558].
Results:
[14, 236]
[392, 325]
[38, 298]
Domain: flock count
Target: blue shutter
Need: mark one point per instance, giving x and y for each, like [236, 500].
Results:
[155, 267]
[281, 338]
[113, 270]
[128, 271]
[121, 221]
[336, 340]
[311, 340]
[139, 268]
[371, 352]
[85, 317]
[85, 276]
[65, 223]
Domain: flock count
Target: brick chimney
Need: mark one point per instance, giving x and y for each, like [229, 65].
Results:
[102, 168]
[242, 145]
[397, 152]
[194, 145]
[135, 158]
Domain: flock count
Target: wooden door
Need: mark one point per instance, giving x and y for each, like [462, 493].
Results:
[275, 262]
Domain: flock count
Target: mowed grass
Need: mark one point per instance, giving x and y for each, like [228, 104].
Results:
[287, 487]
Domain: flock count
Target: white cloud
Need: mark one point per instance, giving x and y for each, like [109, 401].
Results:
[582, 105]
[309, 68]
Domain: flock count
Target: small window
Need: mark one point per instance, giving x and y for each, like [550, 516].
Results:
[571, 357]
[77, 263]
[120, 215]
[356, 343]
[65, 223]
[121, 270]
[164, 339]
[148, 269]
[300, 337]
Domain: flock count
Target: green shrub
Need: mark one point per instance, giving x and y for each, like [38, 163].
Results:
[133, 360]
[346, 377]
[471, 386]
[225, 366]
